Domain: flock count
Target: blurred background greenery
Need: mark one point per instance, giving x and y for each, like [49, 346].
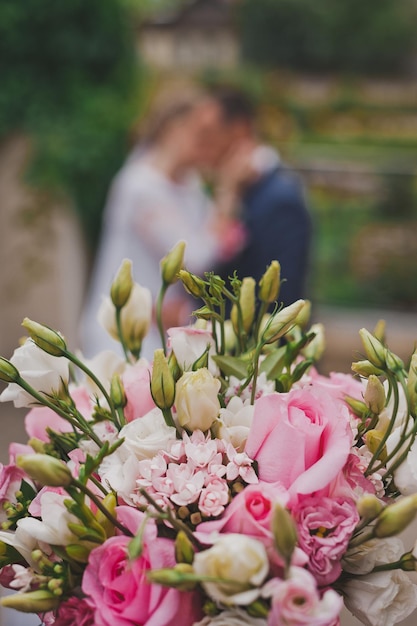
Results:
[336, 83]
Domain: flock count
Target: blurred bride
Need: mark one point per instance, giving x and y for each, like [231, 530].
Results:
[158, 199]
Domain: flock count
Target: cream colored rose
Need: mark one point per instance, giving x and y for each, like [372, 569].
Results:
[234, 617]
[145, 436]
[197, 402]
[240, 561]
[136, 316]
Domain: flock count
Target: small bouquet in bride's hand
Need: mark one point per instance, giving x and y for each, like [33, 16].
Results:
[225, 483]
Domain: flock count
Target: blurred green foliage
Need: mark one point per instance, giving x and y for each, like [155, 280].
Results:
[70, 81]
[373, 36]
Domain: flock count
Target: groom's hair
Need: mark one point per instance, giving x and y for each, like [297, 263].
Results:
[235, 104]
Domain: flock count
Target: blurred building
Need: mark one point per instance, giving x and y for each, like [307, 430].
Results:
[201, 33]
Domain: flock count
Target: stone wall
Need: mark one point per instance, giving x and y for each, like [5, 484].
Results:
[42, 254]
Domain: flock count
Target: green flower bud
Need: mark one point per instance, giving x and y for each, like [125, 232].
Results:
[412, 382]
[184, 550]
[77, 552]
[162, 381]
[284, 532]
[8, 372]
[122, 285]
[408, 562]
[369, 507]
[396, 517]
[315, 349]
[365, 368]
[394, 363]
[172, 263]
[374, 395]
[180, 577]
[270, 283]
[40, 601]
[45, 469]
[247, 305]
[117, 392]
[303, 317]
[109, 502]
[374, 349]
[373, 440]
[45, 338]
[281, 322]
[192, 283]
[379, 331]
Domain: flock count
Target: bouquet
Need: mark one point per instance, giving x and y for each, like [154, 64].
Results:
[225, 483]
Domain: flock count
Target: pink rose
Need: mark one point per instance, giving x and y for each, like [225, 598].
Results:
[136, 382]
[74, 611]
[213, 498]
[118, 591]
[249, 513]
[301, 439]
[325, 527]
[338, 385]
[296, 601]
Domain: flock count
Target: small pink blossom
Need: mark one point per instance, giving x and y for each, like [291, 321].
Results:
[187, 484]
[240, 465]
[325, 527]
[201, 450]
[213, 498]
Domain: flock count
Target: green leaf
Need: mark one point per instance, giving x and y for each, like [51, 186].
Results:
[232, 366]
[272, 365]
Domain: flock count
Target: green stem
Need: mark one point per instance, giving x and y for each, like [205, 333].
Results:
[262, 310]
[45, 402]
[158, 313]
[97, 382]
[120, 333]
[113, 520]
[255, 374]
[169, 420]
[176, 523]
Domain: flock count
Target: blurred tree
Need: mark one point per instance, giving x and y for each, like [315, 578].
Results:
[376, 37]
[69, 80]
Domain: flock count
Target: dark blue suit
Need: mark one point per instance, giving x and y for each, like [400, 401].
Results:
[279, 227]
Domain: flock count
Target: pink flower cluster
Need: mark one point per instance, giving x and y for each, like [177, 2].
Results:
[195, 472]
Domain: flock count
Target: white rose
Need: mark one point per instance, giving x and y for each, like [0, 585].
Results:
[145, 436]
[189, 343]
[405, 476]
[381, 599]
[363, 559]
[196, 401]
[234, 617]
[237, 558]
[235, 422]
[45, 373]
[136, 315]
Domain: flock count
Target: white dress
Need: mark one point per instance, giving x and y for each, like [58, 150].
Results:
[145, 216]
